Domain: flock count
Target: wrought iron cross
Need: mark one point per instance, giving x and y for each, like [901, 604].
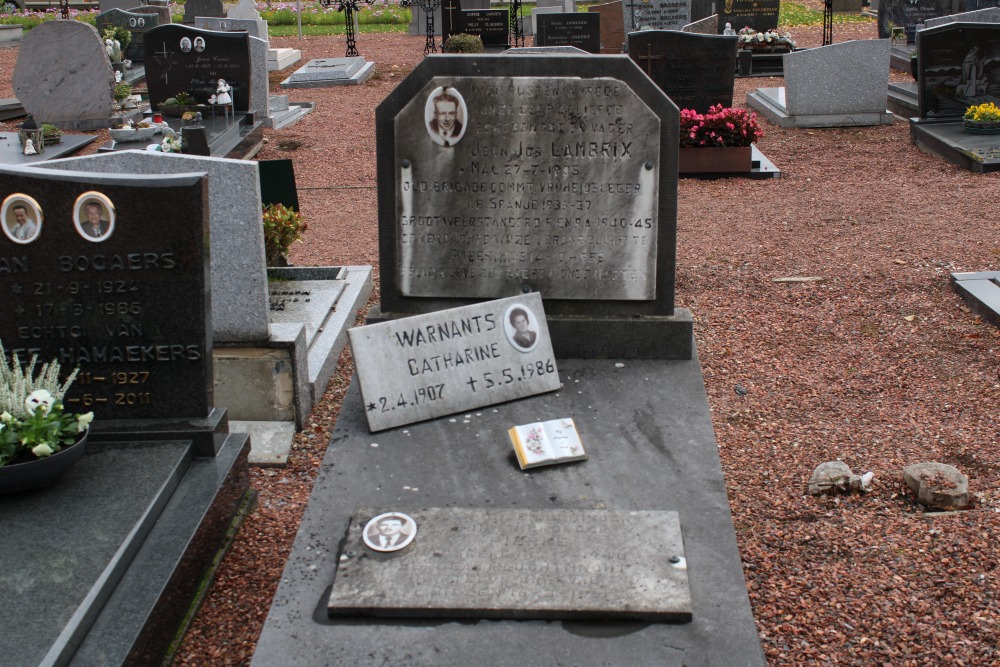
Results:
[429, 6]
[516, 24]
[348, 7]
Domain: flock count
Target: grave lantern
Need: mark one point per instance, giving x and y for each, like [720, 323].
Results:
[31, 131]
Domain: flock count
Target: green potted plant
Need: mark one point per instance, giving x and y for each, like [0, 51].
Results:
[719, 141]
[39, 440]
[462, 43]
[283, 226]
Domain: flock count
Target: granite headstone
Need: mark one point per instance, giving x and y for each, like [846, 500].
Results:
[451, 19]
[196, 8]
[695, 71]
[656, 14]
[48, 89]
[251, 27]
[426, 366]
[760, 15]
[706, 26]
[238, 272]
[161, 13]
[582, 30]
[101, 288]
[612, 26]
[959, 65]
[521, 563]
[986, 15]
[184, 59]
[909, 14]
[136, 24]
[492, 25]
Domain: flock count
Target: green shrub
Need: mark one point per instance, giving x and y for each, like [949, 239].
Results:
[463, 43]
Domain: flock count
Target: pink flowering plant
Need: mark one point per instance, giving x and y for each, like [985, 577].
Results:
[719, 127]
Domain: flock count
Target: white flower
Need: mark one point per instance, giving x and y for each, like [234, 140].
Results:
[760, 37]
[83, 421]
[6, 417]
[39, 399]
[42, 450]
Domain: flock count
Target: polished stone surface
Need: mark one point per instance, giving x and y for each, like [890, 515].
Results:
[11, 152]
[956, 63]
[706, 26]
[949, 140]
[759, 14]
[981, 291]
[909, 14]
[612, 26]
[307, 301]
[649, 436]
[426, 366]
[136, 24]
[695, 71]
[581, 30]
[519, 563]
[239, 274]
[48, 89]
[196, 8]
[322, 72]
[255, 28]
[988, 15]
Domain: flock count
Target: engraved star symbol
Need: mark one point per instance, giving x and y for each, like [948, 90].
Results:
[371, 406]
[17, 288]
[20, 310]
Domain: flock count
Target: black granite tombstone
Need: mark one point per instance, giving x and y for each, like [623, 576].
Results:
[695, 71]
[760, 15]
[908, 14]
[973, 5]
[136, 24]
[959, 66]
[196, 8]
[183, 59]
[492, 25]
[115, 281]
[451, 19]
[577, 29]
[277, 183]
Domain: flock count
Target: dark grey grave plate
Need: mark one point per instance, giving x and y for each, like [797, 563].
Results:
[648, 432]
[758, 14]
[10, 148]
[975, 152]
[517, 563]
[136, 24]
[981, 291]
[946, 53]
[171, 70]
[695, 71]
[908, 14]
[582, 30]
[59, 564]
[492, 25]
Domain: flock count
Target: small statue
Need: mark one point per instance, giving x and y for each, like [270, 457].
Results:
[222, 95]
[29, 147]
[729, 30]
[118, 76]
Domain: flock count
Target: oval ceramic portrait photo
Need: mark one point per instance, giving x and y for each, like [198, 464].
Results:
[445, 116]
[21, 218]
[391, 531]
[186, 44]
[521, 327]
[94, 216]
[199, 44]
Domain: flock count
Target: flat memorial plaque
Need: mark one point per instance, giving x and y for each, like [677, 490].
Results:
[526, 564]
[427, 366]
[540, 184]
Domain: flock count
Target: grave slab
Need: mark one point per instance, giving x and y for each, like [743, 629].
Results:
[11, 153]
[325, 72]
[519, 563]
[981, 291]
[696, 71]
[279, 59]
[772, 103]
[270, 442]
[648, 433]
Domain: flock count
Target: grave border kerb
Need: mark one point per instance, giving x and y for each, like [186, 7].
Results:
[619, 67]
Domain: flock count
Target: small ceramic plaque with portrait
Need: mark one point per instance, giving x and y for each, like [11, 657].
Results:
[21, 218]
[94, 216]
[446, 116]
[391, 531]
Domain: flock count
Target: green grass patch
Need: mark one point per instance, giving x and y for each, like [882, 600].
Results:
[293, 31]
[792, 15]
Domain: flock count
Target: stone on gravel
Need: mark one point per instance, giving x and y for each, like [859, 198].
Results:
[938, 485]
[836, 477]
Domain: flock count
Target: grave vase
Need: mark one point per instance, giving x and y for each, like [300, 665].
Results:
[34, 474]
[745, 60]
[714, 160]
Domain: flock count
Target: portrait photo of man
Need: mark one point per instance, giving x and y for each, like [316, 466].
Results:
[519, 328]
[446, 116]
[199, 44]
[186, 44]
[390, 532]
[94, 216]
[22, 218]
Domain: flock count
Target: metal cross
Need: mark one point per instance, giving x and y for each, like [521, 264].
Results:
[516, 33]
[649, 58]
[428, 6]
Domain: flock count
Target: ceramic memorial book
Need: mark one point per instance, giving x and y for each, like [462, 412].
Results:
[427, 366]
[545, 443]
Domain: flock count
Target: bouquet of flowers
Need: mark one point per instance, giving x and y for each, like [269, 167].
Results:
[768, 40]
[719, 127]
[33, 424]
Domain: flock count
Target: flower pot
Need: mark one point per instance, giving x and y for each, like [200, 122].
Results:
[17, 477]
[714, 160]
[978, 127]
[745, 60]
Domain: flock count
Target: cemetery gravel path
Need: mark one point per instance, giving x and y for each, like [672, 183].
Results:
[878, 363]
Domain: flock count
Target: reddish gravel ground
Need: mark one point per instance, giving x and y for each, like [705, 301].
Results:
[879, 364]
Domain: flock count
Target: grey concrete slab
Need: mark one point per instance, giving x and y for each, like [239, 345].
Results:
[518, 563]
[651, 447]
[324, 72]
[307, 301]
[771, 103]
[981, 291]
[270, 442]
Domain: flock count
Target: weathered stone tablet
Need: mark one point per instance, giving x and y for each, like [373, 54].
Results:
[426, 366]
[548, 184]
[507, 563]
